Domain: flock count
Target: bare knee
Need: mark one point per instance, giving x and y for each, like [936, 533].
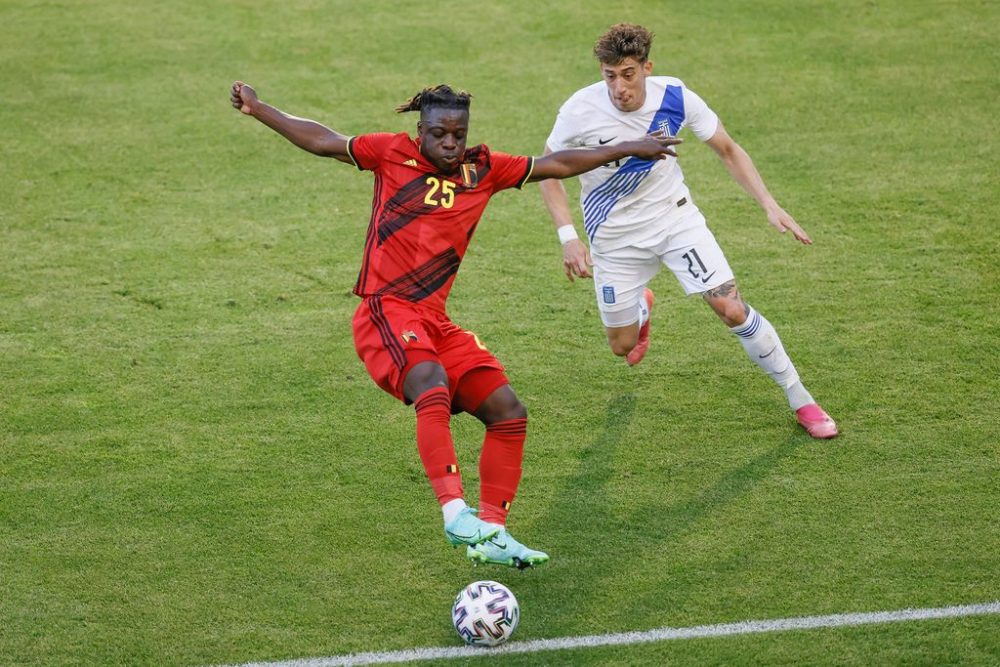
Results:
[515, 409]
[502, 405]
[424, 376]
[621, 340]
[727, 303]
[620, 349]
[733, 314]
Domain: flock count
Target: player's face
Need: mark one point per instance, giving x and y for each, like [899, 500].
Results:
[627, 83]
[442, 135]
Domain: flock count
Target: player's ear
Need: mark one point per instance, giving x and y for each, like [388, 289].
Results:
[647, 67]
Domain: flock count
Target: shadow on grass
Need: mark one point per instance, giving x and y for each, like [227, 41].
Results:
[681, 518]
[621, 543]
[583, 500]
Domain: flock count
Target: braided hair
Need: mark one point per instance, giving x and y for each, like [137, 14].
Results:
[441, 96]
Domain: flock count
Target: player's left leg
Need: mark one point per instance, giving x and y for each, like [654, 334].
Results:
[506, 421]
[699, 264]
[762, 345]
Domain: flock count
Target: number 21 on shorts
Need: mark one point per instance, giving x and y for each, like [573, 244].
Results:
[692, 256]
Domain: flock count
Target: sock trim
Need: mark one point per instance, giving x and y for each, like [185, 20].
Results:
[750, 327]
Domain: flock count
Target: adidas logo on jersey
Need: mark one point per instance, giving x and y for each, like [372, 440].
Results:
[411, 163]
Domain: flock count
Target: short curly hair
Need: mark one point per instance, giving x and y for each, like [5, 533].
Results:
[621, 41]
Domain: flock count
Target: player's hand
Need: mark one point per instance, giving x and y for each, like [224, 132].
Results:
[654, 146]
[786, 223]
[576, 260]
[243, 97]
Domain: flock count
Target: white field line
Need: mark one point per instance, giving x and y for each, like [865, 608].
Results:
[626, 638]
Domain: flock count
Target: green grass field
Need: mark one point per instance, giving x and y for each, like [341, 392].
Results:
[195, 468]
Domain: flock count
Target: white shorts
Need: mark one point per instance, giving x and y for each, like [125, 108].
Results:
[686, 246]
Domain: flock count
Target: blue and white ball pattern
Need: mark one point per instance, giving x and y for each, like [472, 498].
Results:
[485, 613]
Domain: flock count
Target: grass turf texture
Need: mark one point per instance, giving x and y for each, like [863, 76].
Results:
[195, 468]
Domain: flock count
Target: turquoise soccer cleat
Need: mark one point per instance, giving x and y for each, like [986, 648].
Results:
[502, 549]
[467, 528]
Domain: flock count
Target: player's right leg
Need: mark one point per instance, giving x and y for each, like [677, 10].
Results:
[636, 354]
[426, 386]
[623, 300]
[395, 344]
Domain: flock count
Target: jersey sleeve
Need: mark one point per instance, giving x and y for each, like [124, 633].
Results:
[565, 132]
[698, 116]
[367, 150]
[510, 171]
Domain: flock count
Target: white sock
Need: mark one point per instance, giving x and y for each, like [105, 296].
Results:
[798, 396]
[764, 348]
[643, 309]
[452, 508]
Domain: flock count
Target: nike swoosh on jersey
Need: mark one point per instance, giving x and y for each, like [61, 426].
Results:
[708, 277]
[604, 141]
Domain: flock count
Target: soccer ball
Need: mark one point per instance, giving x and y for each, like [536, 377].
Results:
[485, 613]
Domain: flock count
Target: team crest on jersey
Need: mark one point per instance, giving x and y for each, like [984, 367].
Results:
[407, 336]
[608, 291]
[469, 176]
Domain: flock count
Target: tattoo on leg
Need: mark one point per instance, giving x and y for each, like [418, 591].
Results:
[723, 290]
[731, 294]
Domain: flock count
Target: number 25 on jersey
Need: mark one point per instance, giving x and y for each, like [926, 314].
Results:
[442, 193]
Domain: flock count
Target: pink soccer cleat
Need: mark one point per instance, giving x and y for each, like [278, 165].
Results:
[816, 422]
[642, 345]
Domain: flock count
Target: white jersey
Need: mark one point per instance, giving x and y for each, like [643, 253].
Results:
[627, 195]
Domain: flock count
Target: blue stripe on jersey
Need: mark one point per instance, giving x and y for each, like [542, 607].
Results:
[598, 204]
[621, 185]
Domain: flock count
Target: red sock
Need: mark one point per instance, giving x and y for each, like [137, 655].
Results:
[437, 450]
[500, 468]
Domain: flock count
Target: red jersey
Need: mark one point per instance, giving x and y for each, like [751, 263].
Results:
[422, 220]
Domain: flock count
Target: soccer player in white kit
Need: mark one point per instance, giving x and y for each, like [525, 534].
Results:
[639, 214]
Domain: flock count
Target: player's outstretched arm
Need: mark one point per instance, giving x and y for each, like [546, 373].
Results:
[307, 134]
[564, 164]
[743, 171]
[576, 257]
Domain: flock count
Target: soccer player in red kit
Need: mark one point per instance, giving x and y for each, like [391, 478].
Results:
[430, 193]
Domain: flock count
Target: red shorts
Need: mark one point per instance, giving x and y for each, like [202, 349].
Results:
[392, 336]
